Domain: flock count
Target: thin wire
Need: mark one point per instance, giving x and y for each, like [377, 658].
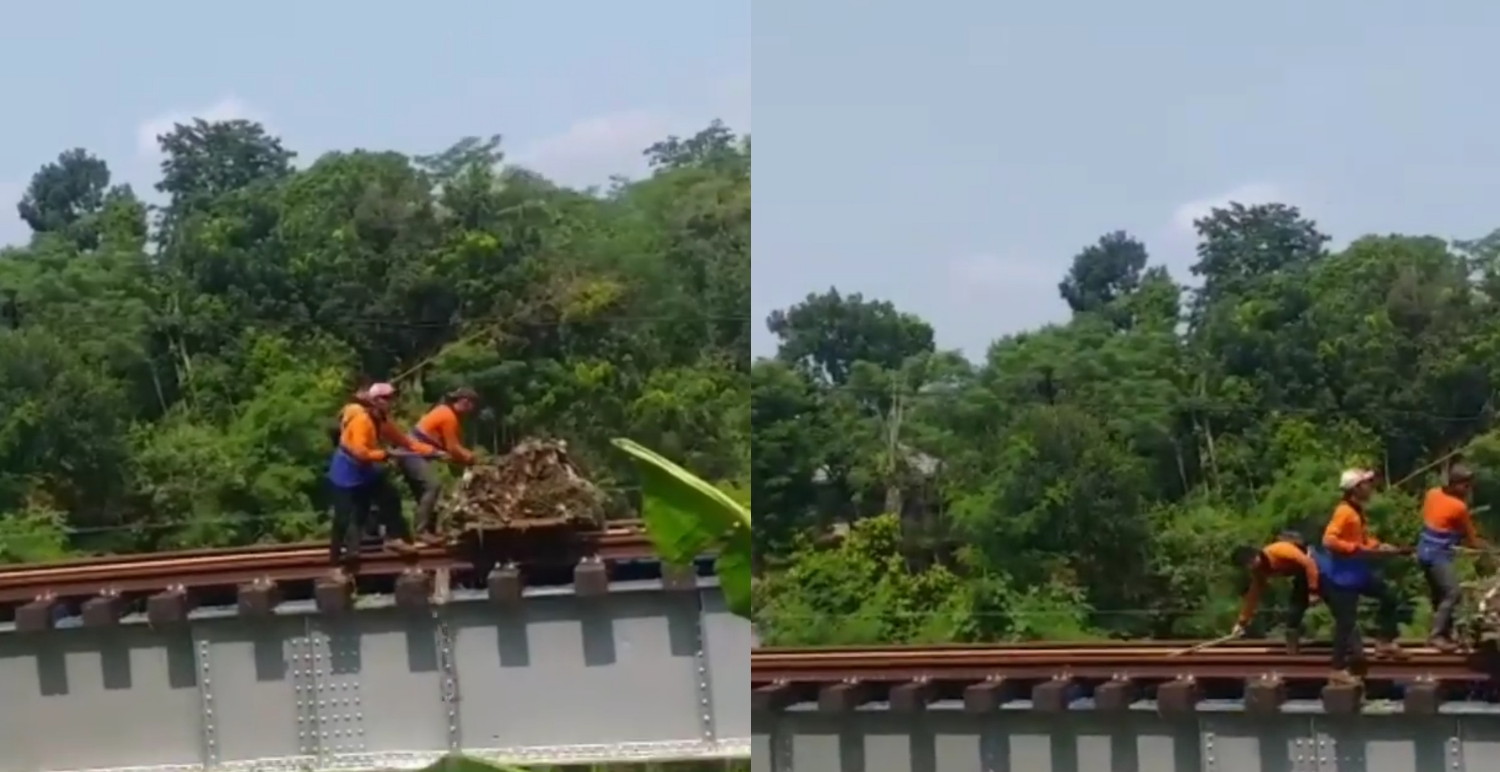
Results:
[312, 514]
[1190, 404]
[545, 323]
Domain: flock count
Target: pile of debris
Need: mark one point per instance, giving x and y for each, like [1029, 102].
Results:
[1480, 613]
[535, 484]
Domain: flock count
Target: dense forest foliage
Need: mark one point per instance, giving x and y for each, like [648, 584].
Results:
[168, 372]
[1090, 478]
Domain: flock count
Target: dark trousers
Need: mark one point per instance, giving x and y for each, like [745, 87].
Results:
[421, 477]
[354, 510]
[1443, 590]
[1297, 606]
[1344, 605]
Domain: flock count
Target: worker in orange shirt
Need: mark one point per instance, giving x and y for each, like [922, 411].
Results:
[358, 478]
[440, 428]
[1346, 565]
[1287, 556]
[1446, 523]
[359, 400]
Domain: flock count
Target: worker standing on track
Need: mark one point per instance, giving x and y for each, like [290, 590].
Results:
[1446, 523]
[1287, 556]
[360, 483]
[1346, 565]
[441, 429]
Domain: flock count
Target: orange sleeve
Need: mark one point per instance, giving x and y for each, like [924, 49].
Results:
[452, 441]
[358, 437]
[1343, 534]
[441, 424]
[1252, 597]
[393, 435]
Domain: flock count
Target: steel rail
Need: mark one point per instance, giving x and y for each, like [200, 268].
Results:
[276, 563]
[1139, 661]
[614, 527]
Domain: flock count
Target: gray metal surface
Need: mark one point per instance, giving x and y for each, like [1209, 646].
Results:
[640, 674]
[945, 739]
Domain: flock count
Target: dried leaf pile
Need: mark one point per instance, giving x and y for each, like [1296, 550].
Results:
[1481, 613]
[534, 483]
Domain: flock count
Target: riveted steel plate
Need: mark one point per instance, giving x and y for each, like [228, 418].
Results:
[77, 699]
[726, 643]
[255, 678]
[381, 687]
[564, 670]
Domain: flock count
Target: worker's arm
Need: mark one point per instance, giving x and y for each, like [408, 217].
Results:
[359, 439]
[1252, 599]
[393, 435]
[449, 435]
[1472, 538]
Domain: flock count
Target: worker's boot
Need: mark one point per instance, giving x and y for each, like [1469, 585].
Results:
[432, 538]
[1443, 643]
[1389, 650]
[401, 546]
[1293, 642]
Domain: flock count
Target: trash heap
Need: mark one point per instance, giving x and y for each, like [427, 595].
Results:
[1480, 622]
[534, 484]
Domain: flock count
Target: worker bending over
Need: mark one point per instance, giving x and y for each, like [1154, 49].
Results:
[1346, 564]
[441, 429]
[1287, 556]
[1446, 523]
[358, 478]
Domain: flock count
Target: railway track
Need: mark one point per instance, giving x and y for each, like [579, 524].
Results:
[1105, 676]
[258, 579]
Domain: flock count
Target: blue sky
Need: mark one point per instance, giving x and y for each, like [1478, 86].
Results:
[952, 156]
[578, 89]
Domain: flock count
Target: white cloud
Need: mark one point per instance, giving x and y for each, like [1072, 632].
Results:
[987, 276]
[1253, 193]
[228, 108]
[591, 150]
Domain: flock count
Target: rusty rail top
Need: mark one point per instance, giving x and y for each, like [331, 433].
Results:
[133, 574]
[1115, 675]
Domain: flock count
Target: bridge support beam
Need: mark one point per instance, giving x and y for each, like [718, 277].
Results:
[948, 738]
[637, 672]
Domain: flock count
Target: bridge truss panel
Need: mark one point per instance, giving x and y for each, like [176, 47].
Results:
[257, 690]
[135, 690]
[636, 675]
[565, 671]
[725, 676]
[948, 740]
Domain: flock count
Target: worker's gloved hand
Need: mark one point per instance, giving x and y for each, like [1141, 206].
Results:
[1313, 599]
[1238, 631]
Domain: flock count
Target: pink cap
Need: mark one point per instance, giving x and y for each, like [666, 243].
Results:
[381, 390]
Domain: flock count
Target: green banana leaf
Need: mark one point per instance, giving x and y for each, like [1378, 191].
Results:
[457, 762]
[687, 517]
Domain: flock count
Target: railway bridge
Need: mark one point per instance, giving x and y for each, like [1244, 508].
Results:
[253, 659]
[1117, 708]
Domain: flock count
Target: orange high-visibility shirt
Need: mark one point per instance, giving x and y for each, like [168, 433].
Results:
[441, 425]
[1444, 512]
[1282, 558]
[1347, 533]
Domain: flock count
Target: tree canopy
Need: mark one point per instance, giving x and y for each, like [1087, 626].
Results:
[1091, 478]
[168, 372]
